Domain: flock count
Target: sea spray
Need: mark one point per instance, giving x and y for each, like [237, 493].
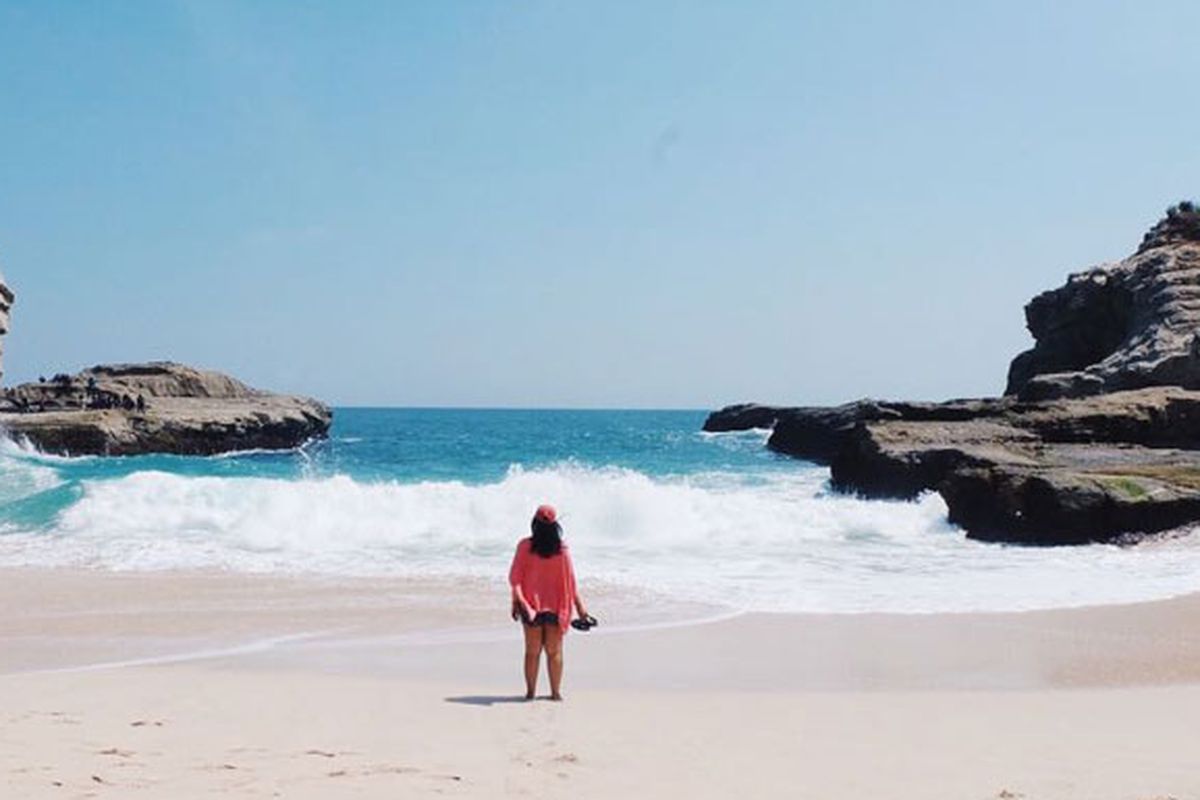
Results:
[647, 503]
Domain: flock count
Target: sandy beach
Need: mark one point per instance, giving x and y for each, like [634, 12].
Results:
[192, 685]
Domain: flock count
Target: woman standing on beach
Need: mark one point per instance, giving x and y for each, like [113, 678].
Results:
[543, 593]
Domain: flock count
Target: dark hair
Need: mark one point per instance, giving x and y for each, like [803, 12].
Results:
[547, 538]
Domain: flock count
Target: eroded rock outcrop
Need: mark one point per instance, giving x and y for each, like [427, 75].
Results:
[1118, 326]
[161, 407]
[741, 417]
[1097, 438]
[6, 301]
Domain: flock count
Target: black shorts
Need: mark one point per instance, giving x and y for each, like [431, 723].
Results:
[542, 618]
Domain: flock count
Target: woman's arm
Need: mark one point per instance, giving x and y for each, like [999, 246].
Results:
[520, 606]
[516, 574]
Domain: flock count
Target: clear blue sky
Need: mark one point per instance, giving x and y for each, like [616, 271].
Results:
[677, 204]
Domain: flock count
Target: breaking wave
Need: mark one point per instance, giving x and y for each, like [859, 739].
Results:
[774, 541]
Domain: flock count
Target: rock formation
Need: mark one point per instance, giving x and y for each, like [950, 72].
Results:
[6, 300]
[1096, 439]
[1120, 326]
[161, 407]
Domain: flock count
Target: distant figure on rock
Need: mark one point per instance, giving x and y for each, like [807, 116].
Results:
[141, 404]
[127, 403]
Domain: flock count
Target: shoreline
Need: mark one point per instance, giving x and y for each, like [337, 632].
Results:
[67, 621]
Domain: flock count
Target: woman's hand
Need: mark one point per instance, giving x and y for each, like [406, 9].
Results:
[520, 611]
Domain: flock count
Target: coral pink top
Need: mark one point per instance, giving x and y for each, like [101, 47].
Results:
[547, 584]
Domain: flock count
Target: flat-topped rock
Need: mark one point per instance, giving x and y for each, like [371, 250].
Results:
[168, 379]
[161, 407]
[1077, 494]
[1051, 472]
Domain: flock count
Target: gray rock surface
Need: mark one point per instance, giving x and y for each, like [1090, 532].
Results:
[183, 410]
[1118, 326]
[1096, 439]
[1059, 472]
[1050, 472]
[6, 302]
[741, 417]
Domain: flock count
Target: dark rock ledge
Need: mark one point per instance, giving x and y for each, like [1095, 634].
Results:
[1097, 438]
[182, 410]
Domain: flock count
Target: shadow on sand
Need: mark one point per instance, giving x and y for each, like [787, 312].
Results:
[487, 699]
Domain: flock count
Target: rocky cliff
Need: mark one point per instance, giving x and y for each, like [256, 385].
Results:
[6, 301]
[1125, 325]
[1096, 439]
[161, 407]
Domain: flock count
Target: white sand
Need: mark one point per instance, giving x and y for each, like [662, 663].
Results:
[408, 690]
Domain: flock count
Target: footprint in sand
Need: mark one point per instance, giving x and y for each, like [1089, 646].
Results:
[321, 753]
[62, 718]
[115, 751]
[386, 769]
[389, 769]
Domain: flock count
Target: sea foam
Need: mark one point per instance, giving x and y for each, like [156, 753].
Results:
[774, 542]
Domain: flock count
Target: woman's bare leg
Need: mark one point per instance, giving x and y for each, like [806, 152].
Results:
[554, 659]
[533, 652]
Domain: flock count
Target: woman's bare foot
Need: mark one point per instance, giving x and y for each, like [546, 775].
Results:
[529, 695]
[556, 698]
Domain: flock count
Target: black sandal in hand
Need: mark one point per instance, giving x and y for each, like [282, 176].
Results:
[584, 623]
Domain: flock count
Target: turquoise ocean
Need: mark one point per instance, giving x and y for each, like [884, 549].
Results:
[648, 502]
